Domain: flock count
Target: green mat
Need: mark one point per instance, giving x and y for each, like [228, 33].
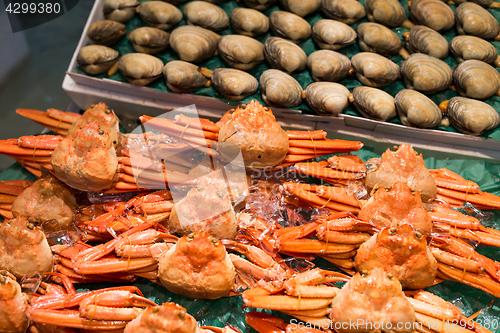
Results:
[303, 78]
[228, 311]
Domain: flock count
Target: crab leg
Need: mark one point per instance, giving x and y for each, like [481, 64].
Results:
[443, 214]
[261, 298]
[264, 323]
[199, 123]
[479, 281]
[169, 126]
[481, 198]
[351, 163]
[310, 151]
[40, 141]
[327, 144]
[306, 135]
[451, 180]
[439, 325]
[484, 238]
[456, 261]
[72, 318]
[320, 171]
[314, 246]
[55, 120]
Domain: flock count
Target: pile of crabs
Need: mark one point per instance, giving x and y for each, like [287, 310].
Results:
[185, 203]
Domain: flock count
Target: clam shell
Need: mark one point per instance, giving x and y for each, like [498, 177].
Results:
[284, 55]
[470, 47]
[96, 59]
[280, 89]
[476, 79]
[106, 32]
[425, 40]
[417, 110]
[326, 65]
[482, 3]
[426, 74]
[327, 97]
[374, 37]
[259, 4]
[333, 35]
[206, 15]
[234, 84]
[149, 40]
[387, 12]
[249, 22]
[193, 44]
[374, 70]
[345, 11]
[474, 20]
[471, 116]
[119, 10]
[159, 14]
[374, 103]
[182, 76]
[289, 26]
[140, 69]
[300, 7]
[434, 14]
[241, 52]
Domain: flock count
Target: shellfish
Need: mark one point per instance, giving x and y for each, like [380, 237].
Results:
[140, 69]
[241, 52]
[473, 19]
[290, 26]
[159, 14]
[426, 74]
[284, 55]
[374, 70]
[119, 10]
[259, 4]
[249, 22]
[299, 7]
[387, 12]
[374, 37]
[421, 39]
[434, 14]
[149, 40]
[327, 97]
[373, 103]
[280, 89]
[333, 35]
[233, 84]
[345, 11]
[96, 59]
[193, 44]
[416, 109]
[182, 76]
[471, 116]
[106, 32]
[326, 65]
[476, 79]
[206, 15]
[470, 47]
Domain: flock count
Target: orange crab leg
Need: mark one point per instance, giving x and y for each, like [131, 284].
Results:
[301, 158]
[145, 163]
[163, 124]
[14, 187]
[456, 261]
[351, 163]
[314, 246]
[296, 232]
[199, 123]
[117, 265]
[40, 141]
[264, 323]
[337, 144]
[306, 135]
[314, 199]
[337, 193]
[317, 170]
[341, 237]
[309, 151]
[484, 238]
[42, 118]
[482, 198]
[66, 116]
[7, 148]
[72, 318]
[7, 198]
[449, 179]
[453, 217]
[6, 214]
[479, 281]
[260, 298]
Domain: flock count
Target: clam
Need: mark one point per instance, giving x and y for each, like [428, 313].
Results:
[326, 65]
[119, 10]
[373, 103]
[300, 7]
[241, 52]
[421, 39]
[434, 14]
[482, 3]
[233, 84]
[280, 89]
[96, 59]
[249, 22]
[259, 4]
[417, 110]
[149, 40]
[333, 35]
[193, 44]
[474, 20]
[327, 97]
[470, 47]
[345, 11]
[426, 74]
[140, 69]
[284, 55]
[206, 15]
[159, 14]
[182, 76]
[374, 37]
[471, 116]
[387, 12]
[106, 32]
[289, 26]
[476, 79]
[374, 70]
